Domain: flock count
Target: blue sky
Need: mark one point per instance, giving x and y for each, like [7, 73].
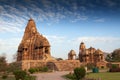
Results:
[65, 23]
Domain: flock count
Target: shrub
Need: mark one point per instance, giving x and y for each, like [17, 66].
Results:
[114, 66]
[4, 76]
[14, 66]
[114, 70]
[43, 69]
[70, 76]
[20, 74]
[79, 73]
[32, 70]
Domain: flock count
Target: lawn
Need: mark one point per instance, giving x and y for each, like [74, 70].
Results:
[9, 78]
[13, 78]
[105, 75]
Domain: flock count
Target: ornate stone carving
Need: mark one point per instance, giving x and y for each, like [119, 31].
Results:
[33, 46]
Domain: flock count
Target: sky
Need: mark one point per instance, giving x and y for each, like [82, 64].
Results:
[65, 23]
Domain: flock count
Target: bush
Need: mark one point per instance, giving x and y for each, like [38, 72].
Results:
[20, 74]
[43, 69]
[32, 70]
[79, 73]
[14, 66]
[70, 76]
[114, 66]
[114, 70]
[4, 76]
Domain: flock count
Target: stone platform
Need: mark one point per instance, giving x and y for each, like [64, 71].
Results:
[62, 65]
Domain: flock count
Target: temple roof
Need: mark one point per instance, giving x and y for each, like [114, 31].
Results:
[72, 52]
[31, 36]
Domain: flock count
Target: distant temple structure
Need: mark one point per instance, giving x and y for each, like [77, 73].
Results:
[72, 55]
[91, 56]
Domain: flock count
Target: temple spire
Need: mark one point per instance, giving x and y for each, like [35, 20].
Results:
[30, 29]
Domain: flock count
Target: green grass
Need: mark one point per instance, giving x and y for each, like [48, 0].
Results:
[13, 78]
[9, 78]
[105, 75]
[102, 76]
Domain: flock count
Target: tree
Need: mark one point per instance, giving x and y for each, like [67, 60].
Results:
[13, 67]
[14, 57]
[3, 63]
[116, 55]
[108, 58]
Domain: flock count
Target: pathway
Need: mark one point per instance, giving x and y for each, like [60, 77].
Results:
[51, 76]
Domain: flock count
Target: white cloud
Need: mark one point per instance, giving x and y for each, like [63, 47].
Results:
[55, 39]
[78, 17]
[10, 26]
[17, 17]
[100, 20]
[10, 21]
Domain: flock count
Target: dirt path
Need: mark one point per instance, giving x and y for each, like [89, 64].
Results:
[51, 76]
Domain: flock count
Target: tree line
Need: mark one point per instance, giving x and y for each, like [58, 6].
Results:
[114, 56]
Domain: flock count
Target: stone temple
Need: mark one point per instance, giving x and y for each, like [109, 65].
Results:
[33, 46]
[34, 51]
[91, 56]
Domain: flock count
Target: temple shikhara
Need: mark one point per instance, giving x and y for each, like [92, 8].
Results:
[91, 55]
[33, 46]
[34, 51]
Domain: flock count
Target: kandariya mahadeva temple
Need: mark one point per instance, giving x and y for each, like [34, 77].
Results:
[33, 46]
[34, 51]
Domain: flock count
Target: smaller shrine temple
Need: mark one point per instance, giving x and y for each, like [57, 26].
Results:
[91, 55]
[72, 55]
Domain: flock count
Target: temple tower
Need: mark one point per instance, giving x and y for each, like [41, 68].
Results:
[82, 52]
[72, 55]
[33, 46]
